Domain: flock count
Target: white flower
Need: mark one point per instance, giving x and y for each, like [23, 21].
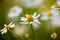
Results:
[31, 19]
[55, 21]
[14, 11]
[56, 6]
[7, 27]
[47, 15]
[32, 3]
[52, 15]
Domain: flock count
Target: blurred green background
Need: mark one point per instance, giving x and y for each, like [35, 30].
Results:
[41, 33]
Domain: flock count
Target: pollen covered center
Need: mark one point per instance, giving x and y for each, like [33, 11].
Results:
[57, 6]
[29, 18]
[49, 13]
[7, 27]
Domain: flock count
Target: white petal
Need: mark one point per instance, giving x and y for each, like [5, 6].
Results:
[54, 12]
[13, 25]
[23, 22]
[36, 21]
[4, 24]
[23, 19]
[44, 18]
[30, 22]
[53, 7]
[34, 14]
[56, 21]
[58, 2]
[4, 31]
[34, 24]
[26, 15]
[10, 23]
[37, 16]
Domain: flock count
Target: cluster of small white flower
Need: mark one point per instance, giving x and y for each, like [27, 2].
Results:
[7, 27]
[53, 15]
[32, 3]
[14, 12]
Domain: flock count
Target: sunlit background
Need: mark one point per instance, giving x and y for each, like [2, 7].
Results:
[49, 29]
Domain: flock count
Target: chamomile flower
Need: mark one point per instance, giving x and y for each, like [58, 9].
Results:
[46, 15]
[14, 11]
[56, 6]
[29, 19]
[52, 15]
[7, 27]
[55, 20]
[33, 3]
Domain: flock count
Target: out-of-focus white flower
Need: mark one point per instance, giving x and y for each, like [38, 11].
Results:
[56, 6]
[32, 3]
[53, 35]
[55, 21]
[14, 11]
[29, 19]
[48, 14]
[7, 27]
[53, 15]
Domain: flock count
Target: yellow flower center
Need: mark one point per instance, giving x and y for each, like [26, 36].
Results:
[29, 18]
[49, 13]
[7, 27]
[57, 6]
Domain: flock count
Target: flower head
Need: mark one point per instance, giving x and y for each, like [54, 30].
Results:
[56, 21]
[14, 11]
[49, 14]
[7, 27]
[46, 15]
[56, 6]
[31, 19]
[32, 3]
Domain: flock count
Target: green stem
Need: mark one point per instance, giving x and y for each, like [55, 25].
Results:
[32, 32]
